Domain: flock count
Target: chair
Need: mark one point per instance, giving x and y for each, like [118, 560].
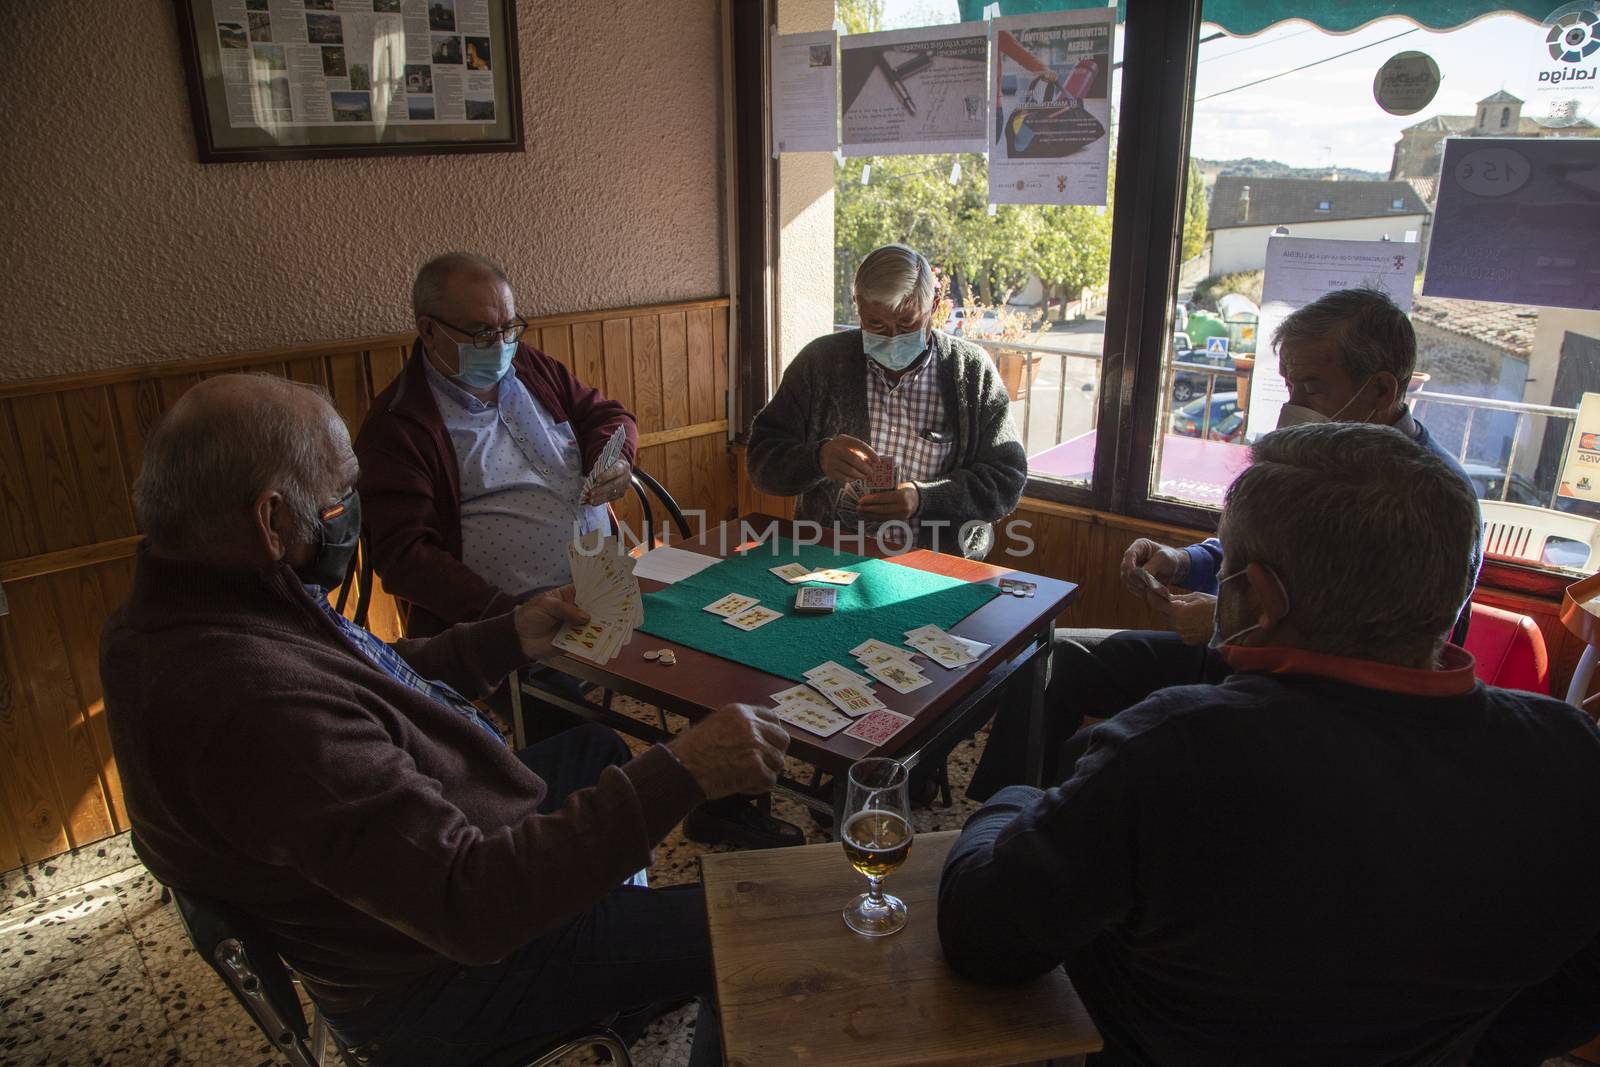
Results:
[641, 482]
[1509, 649]
[1538, 535]
[261, 983]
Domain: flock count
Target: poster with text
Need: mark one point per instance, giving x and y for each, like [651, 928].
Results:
[338, 62]
[1050, 107]
[1580, 472]
[1516, 222]
[805, 100]
[910, 91]
[1300, 270]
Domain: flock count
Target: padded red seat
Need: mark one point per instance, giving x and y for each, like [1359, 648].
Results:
[1509, 650]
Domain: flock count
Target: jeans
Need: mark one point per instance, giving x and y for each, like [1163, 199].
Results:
[635, 948]
[1093, 674]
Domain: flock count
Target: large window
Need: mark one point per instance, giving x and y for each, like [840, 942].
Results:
[1027, 282]
[1287, 138]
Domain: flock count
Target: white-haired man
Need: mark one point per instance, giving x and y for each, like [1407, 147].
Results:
[896, 389]
[441, 896]
[1350, 853]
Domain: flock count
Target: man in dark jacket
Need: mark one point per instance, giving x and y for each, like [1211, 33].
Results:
[1350, 852]
[472, 476]
[440, 895]
[895, 390]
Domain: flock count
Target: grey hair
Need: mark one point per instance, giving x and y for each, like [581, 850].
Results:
[427, 291]
[206, 463]
[1370, 330]
[896, 277]
[1373, 536]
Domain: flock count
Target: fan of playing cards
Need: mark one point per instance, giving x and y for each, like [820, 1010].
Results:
[604, 586]
[608, 457]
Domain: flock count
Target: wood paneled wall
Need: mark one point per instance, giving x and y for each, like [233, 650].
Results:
[71, 447]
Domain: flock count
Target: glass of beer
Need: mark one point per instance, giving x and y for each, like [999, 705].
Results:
[877, 839]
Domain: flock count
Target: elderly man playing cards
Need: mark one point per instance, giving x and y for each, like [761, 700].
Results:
[894, 428]
[440, 895]
[480, 465]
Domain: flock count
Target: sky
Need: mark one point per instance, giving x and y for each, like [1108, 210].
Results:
[1326, 114]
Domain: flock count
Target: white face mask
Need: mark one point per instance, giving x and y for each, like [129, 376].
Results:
[1296, 415]
[1217, 640]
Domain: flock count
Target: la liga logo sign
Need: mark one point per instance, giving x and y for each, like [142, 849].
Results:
[1572, 40]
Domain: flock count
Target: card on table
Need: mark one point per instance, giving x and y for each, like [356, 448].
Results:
[731, 605]
[901, 677]
[824, 721]
[793, 573]
[801, 694]
[878, 726]
[850, 699]
[945, 652]
[902, 656]
[830, 669]
[834, 577]
[814, 600]
[755, 618]
[872, 644]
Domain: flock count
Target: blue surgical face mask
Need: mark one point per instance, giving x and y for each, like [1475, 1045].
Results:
[482, 367]
[897, 352]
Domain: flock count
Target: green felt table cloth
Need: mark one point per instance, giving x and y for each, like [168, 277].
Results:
[885, 602]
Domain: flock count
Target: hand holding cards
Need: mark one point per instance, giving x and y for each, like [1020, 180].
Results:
[607, 459]
[604, 586]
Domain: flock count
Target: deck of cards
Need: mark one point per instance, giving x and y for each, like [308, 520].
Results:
[607, 459]
[604, 586]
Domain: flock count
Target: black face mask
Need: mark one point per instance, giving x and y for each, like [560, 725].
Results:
[338, 533]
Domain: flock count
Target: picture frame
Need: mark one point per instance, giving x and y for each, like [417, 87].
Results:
[285, 79]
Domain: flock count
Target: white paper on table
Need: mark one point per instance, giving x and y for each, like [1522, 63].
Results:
[805, 113]
[1299, 271]
[667, 564]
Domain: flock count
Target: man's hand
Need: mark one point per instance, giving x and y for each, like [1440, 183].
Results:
[610, 485]
[1192, 616]
[738, 749]
[539, 618]
[1146, 557]
[901, 502]
[844, 458]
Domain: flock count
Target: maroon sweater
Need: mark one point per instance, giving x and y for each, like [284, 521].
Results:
[411, 486]
[376, 835]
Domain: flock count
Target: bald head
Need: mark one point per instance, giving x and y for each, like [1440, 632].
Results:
[230, 446]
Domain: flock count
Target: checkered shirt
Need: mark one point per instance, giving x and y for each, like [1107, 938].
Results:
[898, 414]
[389, 662]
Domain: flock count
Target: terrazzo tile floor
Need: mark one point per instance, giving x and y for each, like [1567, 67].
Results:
[95, 970]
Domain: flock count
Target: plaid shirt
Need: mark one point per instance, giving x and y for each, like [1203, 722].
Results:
[899, 413]
[389, 662]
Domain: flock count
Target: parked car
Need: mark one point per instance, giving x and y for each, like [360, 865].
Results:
[986, 324]
[1188, 384]
[1230, 429]
[1189, 420]
[1488, 481]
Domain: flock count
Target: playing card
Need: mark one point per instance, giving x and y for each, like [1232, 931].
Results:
[756, 617]
[731, 605]
[587, 641]
[883, 476]
[900, 677]
[944, 651]
[834, 577]
[604, 586]
[872, 651]
[850, 699]
[793, 573]
[814, 600]
[609, 454]
[878, 726]
[823, 721]
[801, 694]
[929, 630]
[832, 670]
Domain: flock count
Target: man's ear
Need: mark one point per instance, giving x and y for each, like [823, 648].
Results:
[1392, 392]
[1268, 592]
[272, 521]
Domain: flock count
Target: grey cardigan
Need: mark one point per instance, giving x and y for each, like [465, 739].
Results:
[824, 393]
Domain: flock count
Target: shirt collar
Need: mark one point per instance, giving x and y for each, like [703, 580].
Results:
[1453, 677]
[1406, 424]
[443, 387]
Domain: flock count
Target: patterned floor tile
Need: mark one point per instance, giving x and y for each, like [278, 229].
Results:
[100, 1010]
[54, 932]
[69, 870]
[140, 896]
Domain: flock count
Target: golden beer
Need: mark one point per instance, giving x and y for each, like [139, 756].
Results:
[876, 842]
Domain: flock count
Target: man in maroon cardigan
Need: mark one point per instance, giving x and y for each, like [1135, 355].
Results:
[472, 481]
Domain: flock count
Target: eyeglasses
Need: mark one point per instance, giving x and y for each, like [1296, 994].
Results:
[511, 332]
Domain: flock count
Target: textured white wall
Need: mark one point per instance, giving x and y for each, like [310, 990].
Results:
[113, 232]
[805, 218]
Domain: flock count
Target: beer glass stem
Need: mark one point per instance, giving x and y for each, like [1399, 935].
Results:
[875, 892]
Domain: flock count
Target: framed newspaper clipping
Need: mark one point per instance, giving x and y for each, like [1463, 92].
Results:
[302, 79]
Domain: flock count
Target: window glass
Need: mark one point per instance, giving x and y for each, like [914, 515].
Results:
[1028, 283]
[1288, 138]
